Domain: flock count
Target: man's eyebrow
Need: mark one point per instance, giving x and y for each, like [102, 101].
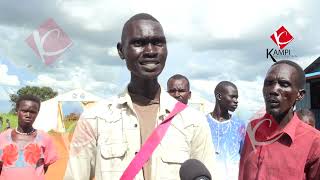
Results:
[157, 37]
[136, 39]
[269, 78]
[285, 80]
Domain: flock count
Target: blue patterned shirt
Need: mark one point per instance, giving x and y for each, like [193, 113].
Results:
[228, 137]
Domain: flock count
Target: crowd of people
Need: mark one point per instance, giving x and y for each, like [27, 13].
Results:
[147, 133]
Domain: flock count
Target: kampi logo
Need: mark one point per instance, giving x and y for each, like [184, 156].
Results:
[281, 38]
[49, 41]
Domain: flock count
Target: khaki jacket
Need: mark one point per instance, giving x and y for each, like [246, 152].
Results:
[107, 138]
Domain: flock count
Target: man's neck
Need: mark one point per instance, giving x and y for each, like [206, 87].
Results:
[285, 118]
[144, 87]
[220, 114]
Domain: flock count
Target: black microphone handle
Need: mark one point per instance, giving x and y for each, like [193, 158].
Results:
[202, 178]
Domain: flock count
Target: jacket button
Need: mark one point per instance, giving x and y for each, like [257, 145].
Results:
[135, 125]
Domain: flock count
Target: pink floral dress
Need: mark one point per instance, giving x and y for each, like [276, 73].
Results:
[25, 162]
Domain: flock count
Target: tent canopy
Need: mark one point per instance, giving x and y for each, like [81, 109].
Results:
[50, 115]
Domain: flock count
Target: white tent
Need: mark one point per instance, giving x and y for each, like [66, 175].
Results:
[50, 115]
[200, 104]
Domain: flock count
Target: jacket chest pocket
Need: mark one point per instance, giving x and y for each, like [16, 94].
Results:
[113, 157]
[171, 160]
[113, 146]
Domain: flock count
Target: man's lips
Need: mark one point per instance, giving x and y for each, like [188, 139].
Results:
[273, 102]
[149, 64]
[145, 62]
[27, 119]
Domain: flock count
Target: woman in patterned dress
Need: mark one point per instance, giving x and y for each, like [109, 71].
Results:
[24, 151]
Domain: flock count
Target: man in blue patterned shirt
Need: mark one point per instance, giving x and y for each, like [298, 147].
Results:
[227, 131]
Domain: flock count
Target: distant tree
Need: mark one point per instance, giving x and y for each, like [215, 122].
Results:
[72, 117]
[44, 93]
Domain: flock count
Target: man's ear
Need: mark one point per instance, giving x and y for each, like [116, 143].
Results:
[301, 94]
[218, 96]
[119, 47]
[189, 96]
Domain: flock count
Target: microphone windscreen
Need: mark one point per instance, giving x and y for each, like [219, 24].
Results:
[194, 169]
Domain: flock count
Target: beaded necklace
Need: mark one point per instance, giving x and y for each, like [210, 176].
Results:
[26, 134]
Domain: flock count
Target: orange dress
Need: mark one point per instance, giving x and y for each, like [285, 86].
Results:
[24, 162]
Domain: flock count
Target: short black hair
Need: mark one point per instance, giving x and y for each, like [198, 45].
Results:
[28, 97]
[222, 85]
[300, 72]
[140, 16]
[178, 77]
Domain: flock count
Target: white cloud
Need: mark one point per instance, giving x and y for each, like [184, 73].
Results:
[113, 51]
[305, 61]
[6, 90]
[3, 95]
[6, 79]
[202, 20]
[46, 80]
[92, 15]
[74, 80]
[231, 19]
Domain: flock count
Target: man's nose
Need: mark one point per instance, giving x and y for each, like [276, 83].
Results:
[274, 89]
[150, 50]
[176, 94]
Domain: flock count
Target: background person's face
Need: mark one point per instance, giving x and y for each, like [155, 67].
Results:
[229, 98]
[309, 120]
[280, 89]
[144, 49]
[178, 88]
[27, 113]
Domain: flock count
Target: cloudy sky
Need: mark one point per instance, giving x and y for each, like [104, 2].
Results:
[208, 41]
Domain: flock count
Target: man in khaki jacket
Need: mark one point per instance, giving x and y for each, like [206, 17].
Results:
[109, 135]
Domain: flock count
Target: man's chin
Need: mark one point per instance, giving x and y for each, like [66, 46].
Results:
[27, 123]
[279, 114]
[275, 113]
[149, 75]
[232, 109]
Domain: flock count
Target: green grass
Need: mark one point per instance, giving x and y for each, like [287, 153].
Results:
[13, 119]
[70, 125]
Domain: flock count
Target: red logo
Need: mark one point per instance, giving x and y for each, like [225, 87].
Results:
[261, 131]
[282, 37]
[49, 41]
